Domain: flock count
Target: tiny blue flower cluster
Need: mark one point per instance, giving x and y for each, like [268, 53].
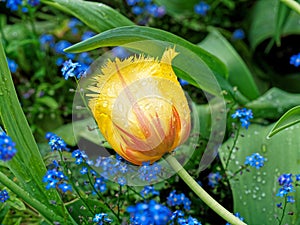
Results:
[101, 219]
[295, 60]
[238, 34]
[12, 65]
[183, 82]
[100, 184]
[244, 115]
[146, 7]
[238, 216]
[47, 40]
[201, 8]
[149, 213]
[13, 5]
[286, 183]
[7, 147]
[149, 172]
[213, 179]
[149, 191]
[56, 179]
[73, 25]
[3, 196]
[56, 142]
[178, 216]
[71, 69]
[79, 156]
[114, 169]
[255, 160]
[178, 199]
[157, 214]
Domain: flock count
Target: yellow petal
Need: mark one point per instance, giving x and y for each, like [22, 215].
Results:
[140, 107]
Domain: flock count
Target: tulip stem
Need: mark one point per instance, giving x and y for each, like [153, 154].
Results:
[201, 193]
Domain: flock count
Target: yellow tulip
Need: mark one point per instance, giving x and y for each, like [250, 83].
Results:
[140, 107]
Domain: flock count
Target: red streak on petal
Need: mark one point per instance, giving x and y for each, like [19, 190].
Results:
[132, 141]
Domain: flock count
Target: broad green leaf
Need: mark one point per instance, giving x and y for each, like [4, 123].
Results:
[239, 74]
[273, 103]
[97, 16]
[254, 192]
[27, 165]
[290, 118]
[262, 22]
[195, 62]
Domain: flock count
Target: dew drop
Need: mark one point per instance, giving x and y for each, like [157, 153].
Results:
[264, 148]
[259, 179]
[247, 192]
[254, 196]
[263, 194]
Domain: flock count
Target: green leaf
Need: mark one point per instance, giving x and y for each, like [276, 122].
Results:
[273, 103]
[254, 192]
[21, 31]
[97, 16]
[239, 74]
[290, 118]
[293, 4]
[263, 25]
[48, 101]
[27, 165]
[194, 61]
[16, 204]
[282, 15]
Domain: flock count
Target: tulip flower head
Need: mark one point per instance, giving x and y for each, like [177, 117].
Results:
[140, 107]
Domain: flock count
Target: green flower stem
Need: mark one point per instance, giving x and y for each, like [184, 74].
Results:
[294, 5]
[232, 147]
[101, 197]
[201, 193]
[47, 213]
[283, 211]
[66, 169]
